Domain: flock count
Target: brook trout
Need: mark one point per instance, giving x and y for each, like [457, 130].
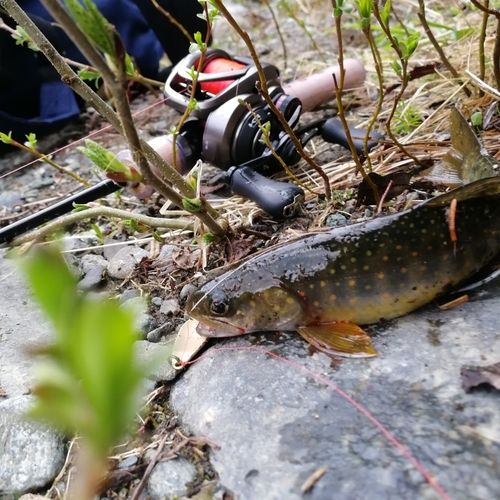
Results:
[326, 284]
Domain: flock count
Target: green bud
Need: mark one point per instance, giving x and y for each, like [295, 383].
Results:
[192, 204]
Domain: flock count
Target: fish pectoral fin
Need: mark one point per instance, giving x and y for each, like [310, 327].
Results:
[340, 338]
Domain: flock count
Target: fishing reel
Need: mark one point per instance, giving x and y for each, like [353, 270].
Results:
[232, 113]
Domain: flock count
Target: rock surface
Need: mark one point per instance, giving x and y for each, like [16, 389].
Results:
[276, 424]
[168, 479]
[31, 454]
[124, 262]
[22, 327]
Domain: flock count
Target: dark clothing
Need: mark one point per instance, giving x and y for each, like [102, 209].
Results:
[32, 96]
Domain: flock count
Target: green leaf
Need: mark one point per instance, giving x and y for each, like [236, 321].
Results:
[106, 160]
[97, 231]
[31, 142]
[95, 26]
[192, 204]
[386, 12]
[90, 75]
[210, 238]
[79, 207]
[6, 138]
[477, 119]
[88, 382]
[21, 38]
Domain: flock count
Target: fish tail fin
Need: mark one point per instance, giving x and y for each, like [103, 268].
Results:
[466, 161]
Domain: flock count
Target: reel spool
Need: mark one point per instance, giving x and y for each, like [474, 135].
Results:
[222, 78]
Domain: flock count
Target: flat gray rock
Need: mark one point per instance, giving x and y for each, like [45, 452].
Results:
[32, 454]
[276, 424]
[168, 479]
[22, 327]
[157, 357]
[124, 262]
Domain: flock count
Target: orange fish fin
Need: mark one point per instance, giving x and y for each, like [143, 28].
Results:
[340, 338]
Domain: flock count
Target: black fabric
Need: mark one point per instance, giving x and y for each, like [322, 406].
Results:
[172, 39]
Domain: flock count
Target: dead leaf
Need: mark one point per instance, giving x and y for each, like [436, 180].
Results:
[211, 189]
[186, 258]
[238, 248]
[473, 376]
[400, 182]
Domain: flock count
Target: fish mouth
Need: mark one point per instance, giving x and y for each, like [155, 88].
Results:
[218, 328]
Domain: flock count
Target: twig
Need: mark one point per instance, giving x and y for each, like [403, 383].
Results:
[437, 47]
[138, 489]
[267, 141]
[47, 160]
[265, 94]
[382, 198]
[482, 39]
[339, 86]
[173, 20]
[278, 30]
[76, 83]
[54, 226]
[496, 49]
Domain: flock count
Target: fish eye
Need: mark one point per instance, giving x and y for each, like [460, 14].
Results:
[219, 307]
[219, 304]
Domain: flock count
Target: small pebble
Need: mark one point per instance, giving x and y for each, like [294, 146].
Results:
[170, 306]
[157, 301]
[166, 252]
[156, 334]
[336, 220]
[9, 199]
[92, 279]
[125, 261]
[128, 462]
[187, 290]
[129, 293]
[92, 260]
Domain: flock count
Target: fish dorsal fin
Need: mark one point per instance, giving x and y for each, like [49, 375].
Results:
[340, 338]
[477, 189]
[464, 141]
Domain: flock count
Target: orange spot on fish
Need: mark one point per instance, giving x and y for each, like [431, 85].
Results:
[368, 287]
[385, 296]
[385, 258]
[352, 283]
[333, 297]
[332, 271]
[403, 270]
[322, 283]
[316, 303]
[381, 275]
[366, 268]
[445, 256]
[302, 294]
[353, 301]
[423, 268]
[414, 254]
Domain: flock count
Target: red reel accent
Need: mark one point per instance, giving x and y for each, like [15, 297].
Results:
[219, 65]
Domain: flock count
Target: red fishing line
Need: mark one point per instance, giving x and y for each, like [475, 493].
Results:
[74, 143]
[427, 476]
[219, 65]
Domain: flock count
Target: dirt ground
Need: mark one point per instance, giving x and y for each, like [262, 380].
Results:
[309, 48]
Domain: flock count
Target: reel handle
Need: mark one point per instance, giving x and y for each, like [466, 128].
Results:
[333, 131]
[280, 200]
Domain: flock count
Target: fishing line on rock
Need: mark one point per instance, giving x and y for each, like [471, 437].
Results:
[427, 476]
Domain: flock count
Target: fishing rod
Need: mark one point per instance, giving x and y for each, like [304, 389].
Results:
[223, 131]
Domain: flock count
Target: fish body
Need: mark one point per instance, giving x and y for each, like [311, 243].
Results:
[325, 284]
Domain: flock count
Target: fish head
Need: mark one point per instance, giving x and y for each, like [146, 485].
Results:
[225, 311]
